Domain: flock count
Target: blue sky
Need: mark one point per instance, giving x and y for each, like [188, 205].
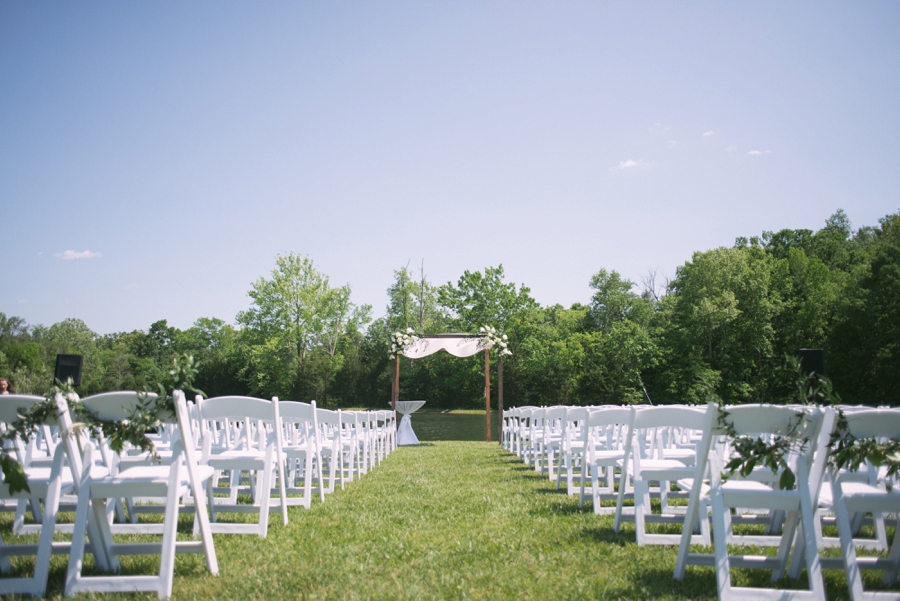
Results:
[176, 148]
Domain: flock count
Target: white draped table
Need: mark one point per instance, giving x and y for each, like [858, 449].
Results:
[405, 434]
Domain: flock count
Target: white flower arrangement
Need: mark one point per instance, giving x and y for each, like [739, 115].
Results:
[491, 339]
[400, 341]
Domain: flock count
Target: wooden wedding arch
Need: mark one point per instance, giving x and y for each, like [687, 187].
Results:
[458, 345]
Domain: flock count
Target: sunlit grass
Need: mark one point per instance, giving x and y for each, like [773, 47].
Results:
[444, 520]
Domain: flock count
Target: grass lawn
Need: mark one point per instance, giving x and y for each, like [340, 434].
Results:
[444, 520]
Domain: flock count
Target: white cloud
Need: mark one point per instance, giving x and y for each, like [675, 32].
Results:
[759, 152]
[731, 149]
[630, 165]
[24, 301]
[673, 143]
[709, 134]
[71, 254]
[132, 286]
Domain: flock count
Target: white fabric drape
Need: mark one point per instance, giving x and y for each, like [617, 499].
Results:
[461, 346]
[405, 434]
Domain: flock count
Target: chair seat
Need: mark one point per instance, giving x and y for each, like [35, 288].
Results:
[608, 457]
[238, 459]
[664, 469]
[39, 479]
[148, 480]
[685, 456]
[748, 493]
[129, 461]
[860, 496]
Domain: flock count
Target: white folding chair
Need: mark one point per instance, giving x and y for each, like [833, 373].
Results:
[184, 476]
[573, 448]
[329, 441]
[350, 463]
[30, 454]
[300, 448]
[382, 422]
[762, 420]
[533, 438]
[604, 448]
[256, 451]
[551, 442]
[687, 471]
[864, 498]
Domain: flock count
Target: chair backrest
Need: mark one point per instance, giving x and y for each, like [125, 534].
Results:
[12, 404]
[120, 405]
[329, 423]
[237, 407]
[299, 423]
[762, 419]
[679, 416]
[874, 423]
[610, 417]
[553, 413]
[577, 414]
[297, 411]
[327, 417]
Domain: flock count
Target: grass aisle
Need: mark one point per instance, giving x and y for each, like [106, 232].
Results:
[444, 520]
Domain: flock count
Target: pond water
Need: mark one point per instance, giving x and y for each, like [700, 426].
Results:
[454, 426]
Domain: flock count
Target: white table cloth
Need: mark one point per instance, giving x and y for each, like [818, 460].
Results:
[405, 434]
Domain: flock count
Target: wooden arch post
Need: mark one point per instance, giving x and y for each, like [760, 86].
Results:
[487, 392]
[500, 395]
[395, 386]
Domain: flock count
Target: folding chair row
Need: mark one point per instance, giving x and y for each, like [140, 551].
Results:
[278, 452]
[663, 450]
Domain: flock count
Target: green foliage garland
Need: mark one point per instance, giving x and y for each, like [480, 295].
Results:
[849, 452]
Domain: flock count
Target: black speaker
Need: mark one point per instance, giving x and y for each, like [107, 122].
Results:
[812, 361]
[69, 366]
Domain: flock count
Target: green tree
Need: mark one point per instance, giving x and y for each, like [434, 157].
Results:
[726, 301]
[864, 345]
[413, 303]
[292, 331]
[484, 299]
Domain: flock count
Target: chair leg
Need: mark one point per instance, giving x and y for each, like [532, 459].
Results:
[167, 552]
[101, 524]
[45, 545]
[848, 551]
[262, 476]
[808, 515]
[76, 553]
[720, 540]
[639, 499]
[620, 499]
[890, 576]
[282, 492]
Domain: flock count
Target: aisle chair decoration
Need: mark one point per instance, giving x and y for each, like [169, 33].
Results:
[792, 433]
[182, 477]
[866, 437]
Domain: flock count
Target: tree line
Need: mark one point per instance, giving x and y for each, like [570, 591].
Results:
[728, 323]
